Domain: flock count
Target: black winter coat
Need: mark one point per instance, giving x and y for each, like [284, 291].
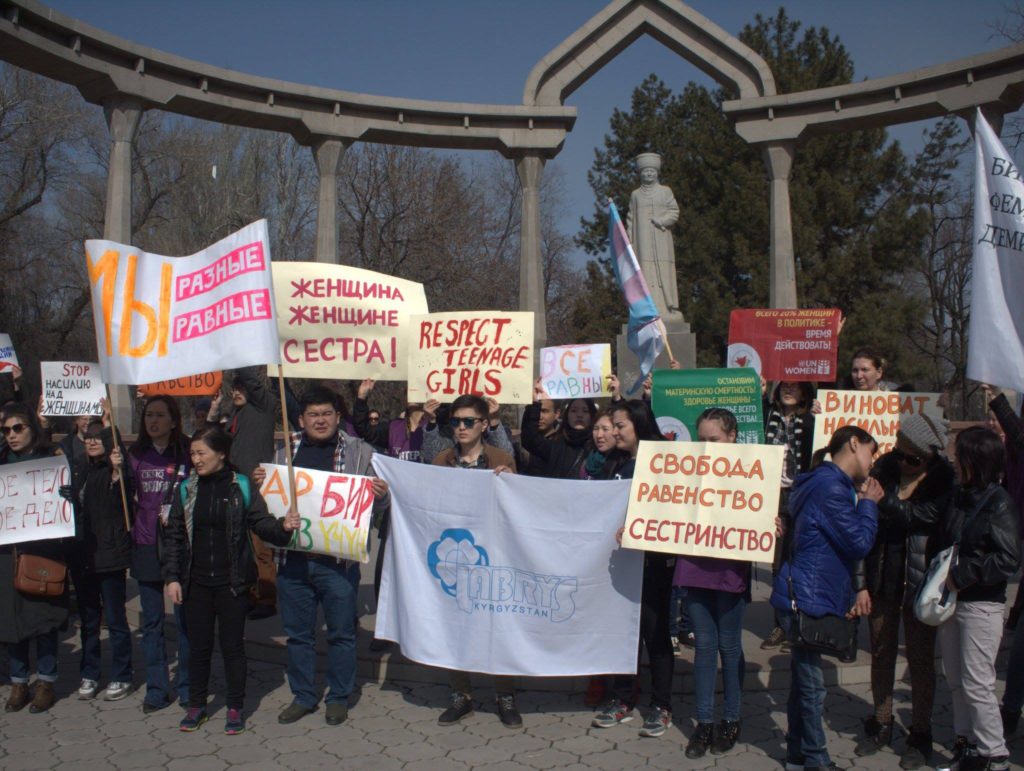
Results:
[989, 552]
[104, 543]
[908, 530]
[556, 457]
[23, 616]
[240, 520]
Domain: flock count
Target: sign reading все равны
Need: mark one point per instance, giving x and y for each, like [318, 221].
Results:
[576, 371]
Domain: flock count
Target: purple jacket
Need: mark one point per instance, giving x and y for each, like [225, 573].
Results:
[402, 444]
[712, 573]
[154, 474]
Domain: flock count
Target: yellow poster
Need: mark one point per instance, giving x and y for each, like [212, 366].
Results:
[488, 353]
[340, 322]
[877, 412]
[705, 499]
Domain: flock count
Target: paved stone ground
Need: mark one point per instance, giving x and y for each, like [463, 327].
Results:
[393, 725]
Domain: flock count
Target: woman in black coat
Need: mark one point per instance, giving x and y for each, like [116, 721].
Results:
[102, 554]
[562, 455]
[23, 617]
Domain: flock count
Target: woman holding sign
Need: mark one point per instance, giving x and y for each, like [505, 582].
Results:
[562, 454]
[210, 566]
[158, 461]
[633, 422]
[24, 617]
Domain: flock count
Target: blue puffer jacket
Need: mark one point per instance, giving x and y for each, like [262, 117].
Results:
[832, 531]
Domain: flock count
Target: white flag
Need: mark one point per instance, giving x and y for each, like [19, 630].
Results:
[160, 318]
[995, 352]
[508, 575]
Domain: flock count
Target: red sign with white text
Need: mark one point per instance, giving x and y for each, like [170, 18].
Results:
[785, 344]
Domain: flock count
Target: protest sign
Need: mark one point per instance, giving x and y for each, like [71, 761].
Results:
[337, 321]
[71, 388]
[506, 577]
[336, 510]
[706, 499]
[488, 353]
[576, 371]
[206, 384]
[679, 396]
[995, 351]
[31, 508]
[877, 412]
[784, 344]
[159, 318]
[8, 358]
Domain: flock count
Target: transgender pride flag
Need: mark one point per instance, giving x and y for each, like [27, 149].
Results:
[644, 330]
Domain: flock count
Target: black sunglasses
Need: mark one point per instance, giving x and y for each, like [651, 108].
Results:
[465, 422]
[17, 428]
[910, 460]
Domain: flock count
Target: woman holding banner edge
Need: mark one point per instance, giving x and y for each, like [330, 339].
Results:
[24, 618]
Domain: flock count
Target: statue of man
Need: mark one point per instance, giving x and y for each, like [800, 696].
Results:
[652, 213]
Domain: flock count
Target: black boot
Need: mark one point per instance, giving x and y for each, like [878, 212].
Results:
[701, 740]
[918, 752]
[876, 737]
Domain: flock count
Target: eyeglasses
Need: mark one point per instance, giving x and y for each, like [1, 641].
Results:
[910, 460]
[17, 428]
[465, 422]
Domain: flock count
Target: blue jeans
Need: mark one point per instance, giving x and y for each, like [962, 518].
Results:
[305, 582]
[104, 593]
[158, 682]
[717, 619]
[46, 658]
[805, 737]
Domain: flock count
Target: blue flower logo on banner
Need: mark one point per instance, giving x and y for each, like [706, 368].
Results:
[454, 548]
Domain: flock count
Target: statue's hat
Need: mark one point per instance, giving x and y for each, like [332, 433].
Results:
[648, 161]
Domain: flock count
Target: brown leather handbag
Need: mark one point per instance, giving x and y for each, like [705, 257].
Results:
[39, 576]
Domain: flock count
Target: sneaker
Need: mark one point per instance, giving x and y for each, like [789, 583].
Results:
[233, 724]
[614, 712]
[336, 713]
[877, 736]
[701, 740]
[774, 640]
[194, 718]
[43, 697]
[1011, 718]
[293, 712]
[918, 752]
[658, 720]
[510, 717]
[459, 706]
[595, 692]
[88, 688]
[115, 691]
[726, 737]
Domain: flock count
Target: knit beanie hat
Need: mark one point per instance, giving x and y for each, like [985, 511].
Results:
[922, 434]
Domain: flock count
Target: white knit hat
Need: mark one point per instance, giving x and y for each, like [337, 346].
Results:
[923, 434]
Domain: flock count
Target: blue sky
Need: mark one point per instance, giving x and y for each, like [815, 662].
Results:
[483, 50]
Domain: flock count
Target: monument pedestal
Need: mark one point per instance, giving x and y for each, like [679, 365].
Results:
[682, 341]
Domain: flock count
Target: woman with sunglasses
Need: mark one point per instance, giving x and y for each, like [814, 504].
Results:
[103, 548]
[24, 618]
[918, 481]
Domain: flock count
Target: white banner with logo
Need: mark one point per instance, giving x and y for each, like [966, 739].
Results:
[508, 575]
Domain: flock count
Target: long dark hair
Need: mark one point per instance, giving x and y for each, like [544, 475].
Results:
[40, 443]
[839, 440]
[807, 393]
[645, 426]
[177, 441]
[981, 457]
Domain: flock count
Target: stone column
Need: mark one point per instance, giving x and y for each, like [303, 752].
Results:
[530, 167]
[328, 154]
[778, 157]
[123, 117]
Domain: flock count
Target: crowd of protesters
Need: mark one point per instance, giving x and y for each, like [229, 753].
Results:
[856, 534]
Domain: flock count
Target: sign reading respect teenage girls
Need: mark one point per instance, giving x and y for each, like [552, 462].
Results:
[71, 388]
[705, 499]
[488, 353]
[159, 318]
[576, 371]
[336, 510]
[337, 321]
[31, 508]
[877, 412]
[679, 396]
[785, 344]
